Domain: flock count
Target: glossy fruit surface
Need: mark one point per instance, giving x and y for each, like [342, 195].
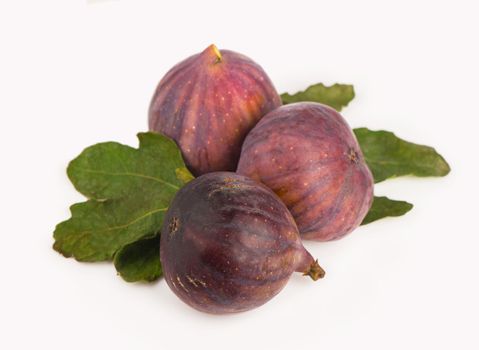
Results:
[308, 155]
[228, 244]
[208, 103]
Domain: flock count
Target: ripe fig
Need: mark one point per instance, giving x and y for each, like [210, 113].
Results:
[308, 155]
[229, 244]
[208, 103]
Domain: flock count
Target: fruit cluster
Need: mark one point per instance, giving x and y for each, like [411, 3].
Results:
[267, 176]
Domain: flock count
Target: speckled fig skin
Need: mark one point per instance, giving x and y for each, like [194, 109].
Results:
[208, 103]
[308, 155]
[229, 244]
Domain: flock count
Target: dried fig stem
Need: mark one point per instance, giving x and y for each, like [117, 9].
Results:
[315, 271]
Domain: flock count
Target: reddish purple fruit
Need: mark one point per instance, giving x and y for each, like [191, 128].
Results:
[309, 156]
[208, 103]
[229, 244]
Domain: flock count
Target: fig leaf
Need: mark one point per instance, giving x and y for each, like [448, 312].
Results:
[389, 156]
[336, 96]
[383, 207]
[140, 260]
[128, 193]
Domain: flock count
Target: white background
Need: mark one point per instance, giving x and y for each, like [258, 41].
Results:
[74, 73]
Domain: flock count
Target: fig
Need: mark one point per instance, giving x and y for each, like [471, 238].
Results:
[308, 155]
[228, 244]
[208, 103]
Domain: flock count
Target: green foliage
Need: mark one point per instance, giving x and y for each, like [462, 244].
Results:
[389, 156]
[129, 191]
[140, 260]
[383, 207]
[336, 96]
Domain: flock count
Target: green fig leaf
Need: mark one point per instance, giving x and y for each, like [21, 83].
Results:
[336, 96]
[129, 191]
[384, 207]
[389, 156]
[140, 260]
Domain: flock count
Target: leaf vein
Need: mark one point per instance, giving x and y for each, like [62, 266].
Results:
[118, 227]
[93, 171]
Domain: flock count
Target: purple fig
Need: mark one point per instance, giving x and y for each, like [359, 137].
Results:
[208, 103]
[308, 155]
[229, 244]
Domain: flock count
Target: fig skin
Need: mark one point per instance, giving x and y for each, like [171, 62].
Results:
[228, 244]
[208, 103]
[308, 155]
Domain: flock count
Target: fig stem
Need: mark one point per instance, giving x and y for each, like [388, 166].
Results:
[315, 271]
[217, 53]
